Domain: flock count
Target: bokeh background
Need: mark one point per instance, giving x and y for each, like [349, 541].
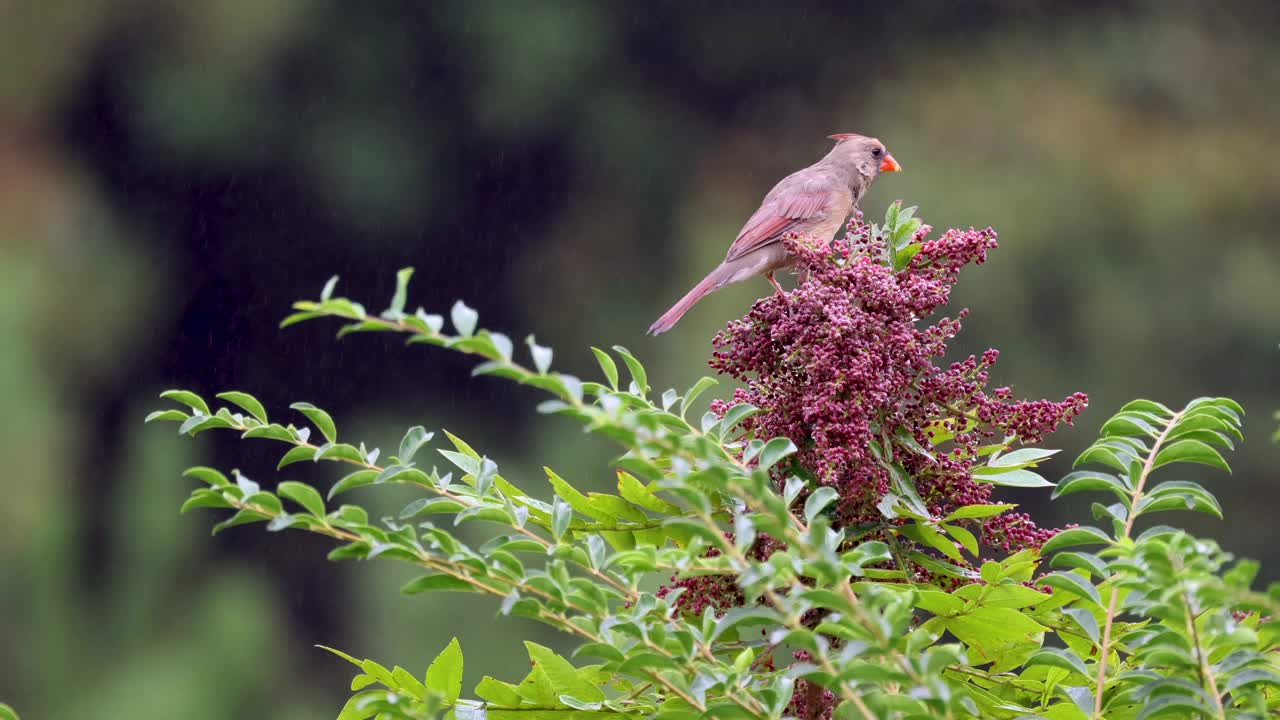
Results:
[174, 174]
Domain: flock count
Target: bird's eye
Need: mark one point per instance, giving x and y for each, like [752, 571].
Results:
[877, 152]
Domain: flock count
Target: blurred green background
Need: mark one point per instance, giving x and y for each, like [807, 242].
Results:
[174, 174]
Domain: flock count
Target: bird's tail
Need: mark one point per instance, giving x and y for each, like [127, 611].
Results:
[709, 284]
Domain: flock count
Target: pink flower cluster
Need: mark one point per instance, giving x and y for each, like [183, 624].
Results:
[848, 367]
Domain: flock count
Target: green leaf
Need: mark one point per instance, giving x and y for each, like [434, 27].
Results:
[964, 537]
[891, 215]
[436, 583]
[246, 401]
[501, 343]
[1022, 458]
[600, 650]
[204, 498]
[635, 492]
[907, 440]
[561, 517]
[902, 258]
[541, 355]
[496, 692]
[444, 676]
[364, 327]
[735, 415]
[992, 631]
[359, 478]
[339, 451]
[247, 486]
[866, 553]
[1071, 583]
[565, 679]
[426, 327]
[990, 571]
[1175, 706]
[1242, 574]
[939, 603]
[905, 488]
[463, 447]
[297, 454]
[1012, 478]
[271, 431]
[1081, 561]
[817, 501]
[351, 551]
[927, 535]
[243, 517]
[607, 366]
[704, 383]
[197, 424]
[265, 501]
[326, 293]
[1148, 406]
[207, 475]
[1103, 455]
[1085, 620]
[570, 494]
[1190, 451]
[1076, 536]
[7, 713]
[1085, 480]
[464, 318]
[176, 415]
[396, 310]
[319, 418]
[339, 653]
[1180, 494]
[775, 450]
[414, 438]
[408, 683]
[1253, 677]
[1129, 426]
[978, 511]
[304, 495]
[428, 506]
[638, 374]
[1059, 658]
[536, 688]
[1012, 595]
[465, 463]
[613, 506]
[1203, 421]
[298, 317]
[188, 398]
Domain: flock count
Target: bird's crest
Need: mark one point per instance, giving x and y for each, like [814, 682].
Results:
[841, 137]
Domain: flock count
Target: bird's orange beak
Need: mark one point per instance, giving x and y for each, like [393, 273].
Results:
[889, 164]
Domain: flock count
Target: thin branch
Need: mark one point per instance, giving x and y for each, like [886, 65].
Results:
[1105, 649]
[1203, 669]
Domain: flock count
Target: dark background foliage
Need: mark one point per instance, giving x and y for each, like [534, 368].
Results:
[174, 174]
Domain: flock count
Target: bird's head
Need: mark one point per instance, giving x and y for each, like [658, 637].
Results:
[863, 156]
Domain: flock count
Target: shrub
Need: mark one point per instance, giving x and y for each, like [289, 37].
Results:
[832, 532]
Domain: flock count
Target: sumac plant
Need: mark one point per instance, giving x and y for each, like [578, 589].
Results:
[830, 537]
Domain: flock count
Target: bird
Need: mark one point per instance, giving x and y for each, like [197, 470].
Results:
[814, 202]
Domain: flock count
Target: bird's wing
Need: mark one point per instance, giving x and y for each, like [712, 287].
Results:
[788, 207]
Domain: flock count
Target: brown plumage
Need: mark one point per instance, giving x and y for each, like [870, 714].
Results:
[815, 201]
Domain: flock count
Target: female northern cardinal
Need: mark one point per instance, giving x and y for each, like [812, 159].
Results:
[814, 201]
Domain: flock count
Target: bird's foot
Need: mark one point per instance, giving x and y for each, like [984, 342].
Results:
[775, 285]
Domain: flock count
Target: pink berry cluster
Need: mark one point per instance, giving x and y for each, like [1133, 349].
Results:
[850, 367]
[721, 593]
[809, 700]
